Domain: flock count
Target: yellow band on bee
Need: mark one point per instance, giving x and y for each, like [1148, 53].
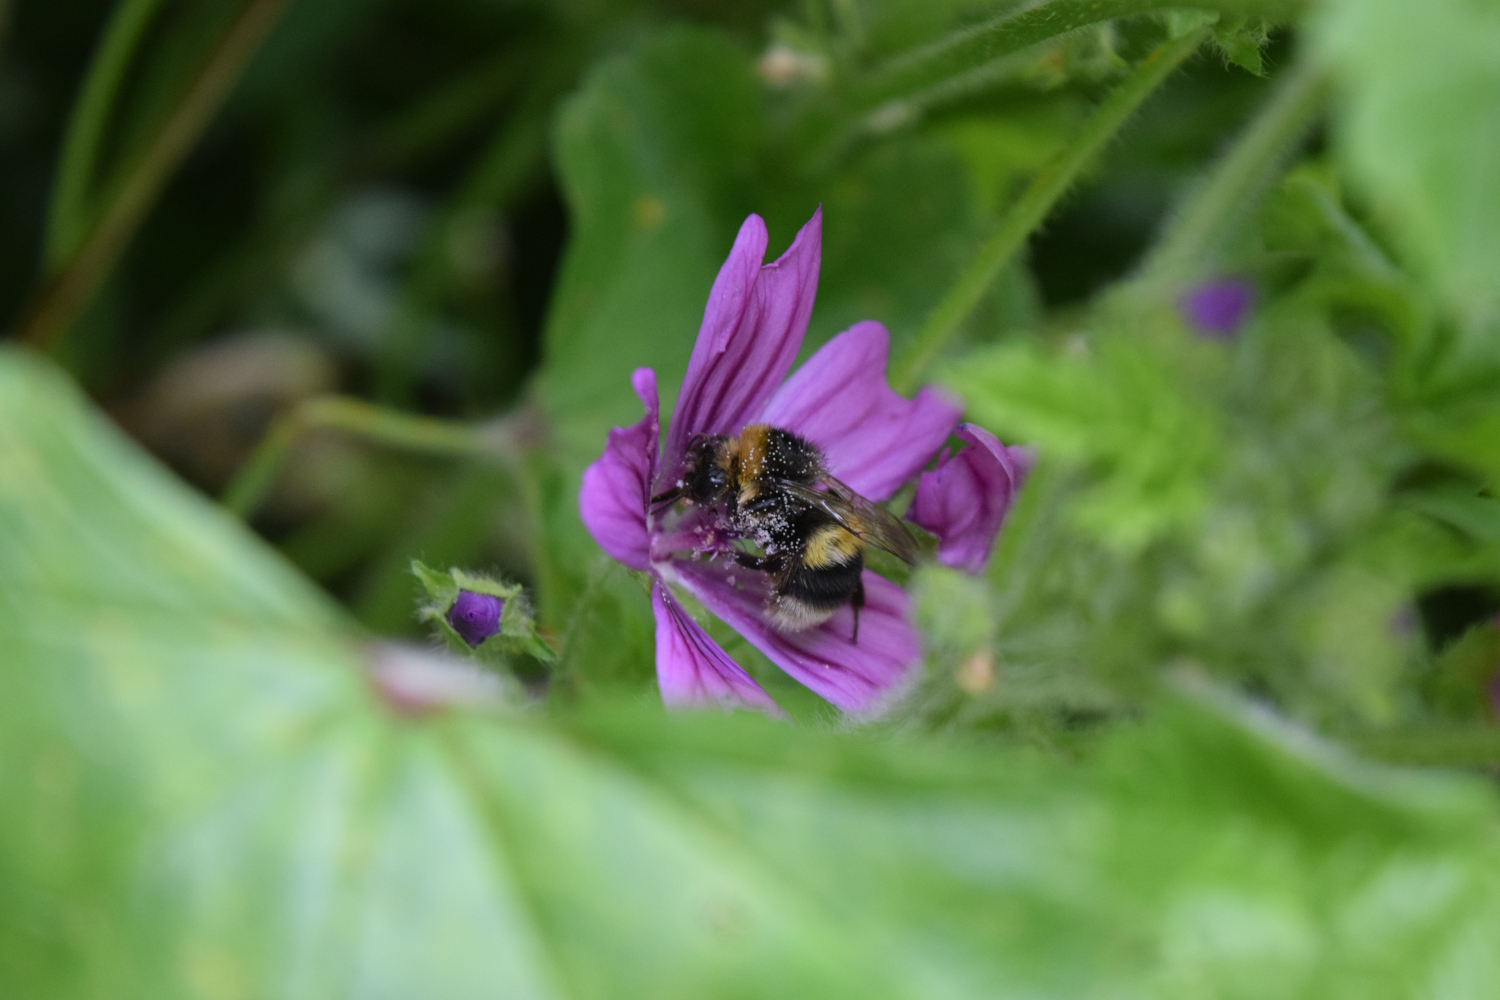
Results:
[831, 545]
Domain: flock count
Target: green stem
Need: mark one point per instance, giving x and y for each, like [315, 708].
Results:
[1010, 32]
[543, 573]
[73, 286]
[425, 435]
[68, 220]
[256, 477]
[1032, 207]
[565, 671]
[1197, 232]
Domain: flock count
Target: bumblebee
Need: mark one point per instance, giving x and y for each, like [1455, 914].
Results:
[773, 488]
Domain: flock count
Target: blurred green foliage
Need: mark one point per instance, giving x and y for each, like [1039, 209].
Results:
[377, 272]
[214, 788]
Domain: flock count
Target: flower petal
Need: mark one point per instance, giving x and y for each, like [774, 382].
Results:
[752, 329]
[965, 499]
[616, 489]
[691, 669]
[860, 678]
[872, 439]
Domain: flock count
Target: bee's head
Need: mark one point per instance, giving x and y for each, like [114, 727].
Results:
[705, 474]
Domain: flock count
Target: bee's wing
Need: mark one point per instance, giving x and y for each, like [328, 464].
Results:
[874, 524]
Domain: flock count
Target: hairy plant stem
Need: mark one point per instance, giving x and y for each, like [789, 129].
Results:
[1196, 233]
[1032, 207]
[72, 285]
[1014, 31]
[511, 441]
[424, 435]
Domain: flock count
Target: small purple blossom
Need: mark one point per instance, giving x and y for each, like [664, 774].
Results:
[1217, 308]
[871, 438]
[966, 497]
[475, 617]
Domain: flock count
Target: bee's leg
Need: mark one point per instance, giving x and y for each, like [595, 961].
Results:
[764, 502]
[857, 601]
[768, 564]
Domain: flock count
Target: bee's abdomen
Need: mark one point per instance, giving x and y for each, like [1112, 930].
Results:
[827, 586]
[821, 579]
[809, 595]
[830, 545]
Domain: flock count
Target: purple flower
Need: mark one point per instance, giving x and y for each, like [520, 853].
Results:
[475, 617]
[1218, 307]
[872, 439]
[965, 498]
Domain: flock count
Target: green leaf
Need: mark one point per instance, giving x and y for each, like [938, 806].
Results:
[1229, 504]
[212, 789]
[1113, 405]
[654, 154]
[1241, 39]
[1421, 86]
[1460, 680]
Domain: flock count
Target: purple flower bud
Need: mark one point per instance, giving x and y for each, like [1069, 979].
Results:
[1217, 308]
[476, 617]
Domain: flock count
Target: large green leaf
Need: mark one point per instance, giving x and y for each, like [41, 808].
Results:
[1423, 81]
[206, 796]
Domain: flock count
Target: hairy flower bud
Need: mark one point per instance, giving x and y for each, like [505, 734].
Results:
[475, 617]
[1217, 308]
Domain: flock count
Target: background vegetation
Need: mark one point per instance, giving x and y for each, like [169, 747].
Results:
[368, 277]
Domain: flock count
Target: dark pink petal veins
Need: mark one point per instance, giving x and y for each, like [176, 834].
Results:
[617, 487]
[873, 439]
[859, 678]
[752, 329]
[965, 499]
[692, 670]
